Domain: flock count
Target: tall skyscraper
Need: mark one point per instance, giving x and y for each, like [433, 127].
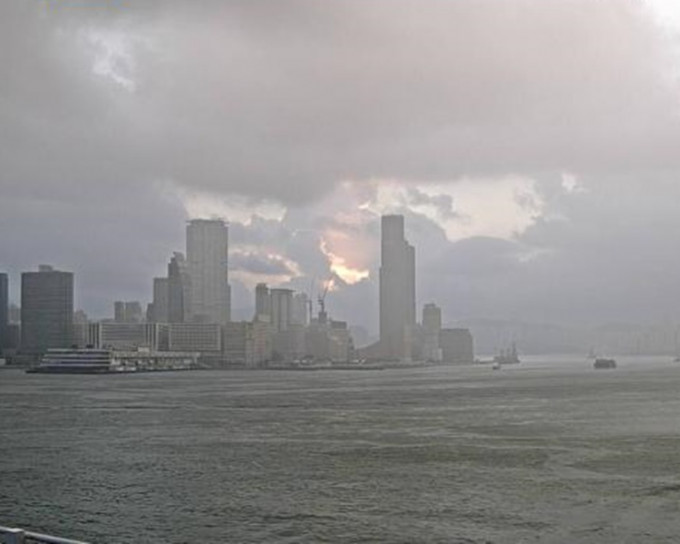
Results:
[179, 289]
[208, 259]
[46, 310]
[432, 324]
[4, 311]
[300, 309]
[397, 290]
[281, 309]
[263, 305]
[432, 317]
[119, 311]
[159, 306]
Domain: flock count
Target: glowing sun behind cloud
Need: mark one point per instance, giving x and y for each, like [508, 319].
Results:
[339, 265]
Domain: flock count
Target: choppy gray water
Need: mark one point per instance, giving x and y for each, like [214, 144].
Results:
[548, 451]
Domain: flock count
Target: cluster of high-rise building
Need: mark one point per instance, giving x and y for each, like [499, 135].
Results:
[190, 311]
[401, 337]
[196, 288]
[296, 333]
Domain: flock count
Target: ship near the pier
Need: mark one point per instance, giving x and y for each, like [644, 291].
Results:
[107, 361]
[75, 361]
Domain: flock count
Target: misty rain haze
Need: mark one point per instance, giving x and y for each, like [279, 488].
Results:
[452, 212]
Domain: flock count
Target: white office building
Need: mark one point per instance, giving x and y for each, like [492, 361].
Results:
[207, 260]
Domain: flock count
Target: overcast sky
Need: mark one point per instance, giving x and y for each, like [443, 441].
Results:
[533, 145]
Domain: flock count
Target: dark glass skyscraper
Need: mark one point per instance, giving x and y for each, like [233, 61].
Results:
[160, 300]
[397, 290]
[179, 289]
[263, 301]
[46, 310]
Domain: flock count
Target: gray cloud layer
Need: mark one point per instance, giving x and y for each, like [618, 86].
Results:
[282, 100]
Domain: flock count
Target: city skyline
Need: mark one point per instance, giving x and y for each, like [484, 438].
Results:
[198, 290]
[396, 336]
[244, 311]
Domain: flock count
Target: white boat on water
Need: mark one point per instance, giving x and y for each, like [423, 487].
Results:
[107, 361]
[76, 361]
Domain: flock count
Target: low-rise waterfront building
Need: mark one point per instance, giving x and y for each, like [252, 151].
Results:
[457, 346]
[201, 337]
[129, 336]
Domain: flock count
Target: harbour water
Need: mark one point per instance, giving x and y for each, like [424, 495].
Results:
[546, 451]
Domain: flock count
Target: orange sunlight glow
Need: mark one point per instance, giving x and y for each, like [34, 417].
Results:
[339, 266]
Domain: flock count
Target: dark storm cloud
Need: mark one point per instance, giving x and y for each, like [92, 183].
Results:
[101, 103]
[605, 253]
[114, 243]
[283, 99]
[393, 90]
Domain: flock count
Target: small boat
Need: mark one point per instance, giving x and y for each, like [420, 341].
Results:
[602, 363]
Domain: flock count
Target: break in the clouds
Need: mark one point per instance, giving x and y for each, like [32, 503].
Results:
[531, 144]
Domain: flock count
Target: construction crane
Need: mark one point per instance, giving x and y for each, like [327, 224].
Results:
[323, 316]
[310, 301]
